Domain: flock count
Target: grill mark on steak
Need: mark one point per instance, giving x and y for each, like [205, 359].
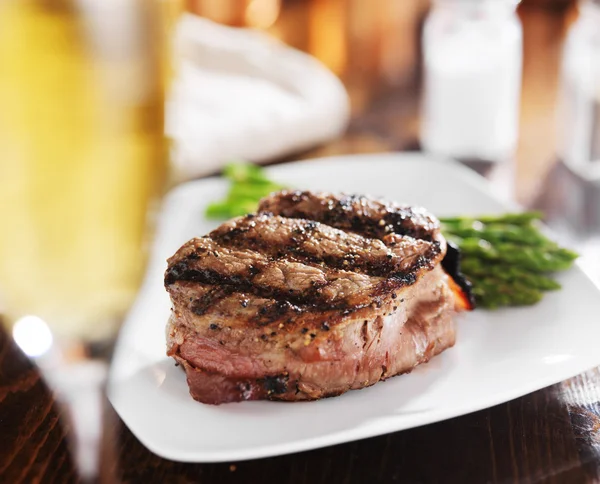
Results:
[317, 243]
[311, 297]
[275, 311]
[204, 261]
[280, 316]
[368, 217]
[200, 305]
[269, 245]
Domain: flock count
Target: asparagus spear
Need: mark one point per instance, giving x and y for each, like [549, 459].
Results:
[523, 218]
[507, 258]
[249, 184]
[478, 269]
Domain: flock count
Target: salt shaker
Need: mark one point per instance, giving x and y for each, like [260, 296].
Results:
[472, 58]
[579, 104]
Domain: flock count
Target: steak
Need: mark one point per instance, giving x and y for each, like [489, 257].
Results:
[314, 295]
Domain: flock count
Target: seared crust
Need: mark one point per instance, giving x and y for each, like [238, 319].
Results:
[357, 213]
[314, 242]
[328, 259]
[314, 295]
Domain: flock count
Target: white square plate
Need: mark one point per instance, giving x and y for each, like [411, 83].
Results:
[498, 356]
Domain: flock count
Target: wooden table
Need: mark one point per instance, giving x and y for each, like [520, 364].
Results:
[552, 435]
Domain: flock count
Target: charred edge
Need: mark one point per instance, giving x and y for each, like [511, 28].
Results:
[451, 264]
[274, 385]
[181, 271]
[404, 279]
[402, 221]
[395, 282]
[224, 234]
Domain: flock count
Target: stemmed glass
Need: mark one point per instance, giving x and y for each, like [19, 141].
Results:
[83, 162]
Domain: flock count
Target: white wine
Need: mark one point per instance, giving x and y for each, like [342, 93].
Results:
[82, 158]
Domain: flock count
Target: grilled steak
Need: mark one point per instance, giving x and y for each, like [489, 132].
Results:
[314, 295]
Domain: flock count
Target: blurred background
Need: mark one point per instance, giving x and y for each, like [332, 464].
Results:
[105, 105]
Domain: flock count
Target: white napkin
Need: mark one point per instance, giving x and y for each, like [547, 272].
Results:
[238, 93]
